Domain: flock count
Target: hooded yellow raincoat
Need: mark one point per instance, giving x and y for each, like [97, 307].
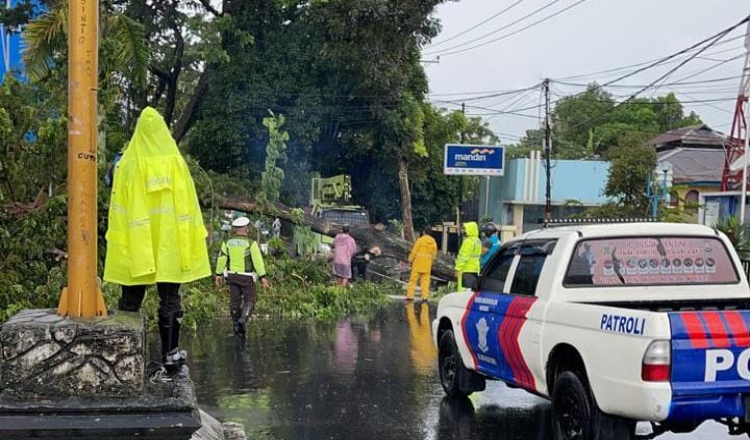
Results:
[156, 231]
[470, 252]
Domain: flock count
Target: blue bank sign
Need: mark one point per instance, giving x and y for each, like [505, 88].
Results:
[474, 160]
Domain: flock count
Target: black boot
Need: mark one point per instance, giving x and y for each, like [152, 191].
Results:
[169, 331]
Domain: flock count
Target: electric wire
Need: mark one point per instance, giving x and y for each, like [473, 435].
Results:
[478, 25]
[710, 42]
[516, 32]
[500, 29]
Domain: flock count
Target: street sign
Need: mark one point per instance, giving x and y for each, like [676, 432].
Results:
[474, 160]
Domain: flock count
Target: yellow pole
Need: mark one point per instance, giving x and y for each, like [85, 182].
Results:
[82, 298]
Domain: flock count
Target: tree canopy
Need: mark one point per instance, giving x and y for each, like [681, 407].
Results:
[590, 123]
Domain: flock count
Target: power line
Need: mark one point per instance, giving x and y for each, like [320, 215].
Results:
[637, 86]
[549, 17]
[480, 95]
[478, 25]
[710, 42]
[500, 29]
[643, 63]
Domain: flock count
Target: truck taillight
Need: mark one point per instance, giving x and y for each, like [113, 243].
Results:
[657, 362]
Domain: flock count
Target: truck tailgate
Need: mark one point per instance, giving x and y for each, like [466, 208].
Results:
[710, 363]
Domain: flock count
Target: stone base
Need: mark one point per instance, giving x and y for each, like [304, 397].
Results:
[61, 378]
[164, 411]
[49, 356]
[214, 430]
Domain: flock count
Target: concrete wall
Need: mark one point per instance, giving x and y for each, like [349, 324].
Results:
[576, 180]
[525, 181]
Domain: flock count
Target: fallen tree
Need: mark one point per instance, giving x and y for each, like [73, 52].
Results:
[367, 236]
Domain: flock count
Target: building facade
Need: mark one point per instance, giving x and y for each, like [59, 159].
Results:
[692, 160]
[517, 200]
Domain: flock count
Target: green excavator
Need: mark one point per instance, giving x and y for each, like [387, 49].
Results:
[331, 200]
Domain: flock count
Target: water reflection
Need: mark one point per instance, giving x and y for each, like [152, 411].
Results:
[423, 351]
[358, 379]
[459, 420]
[346, 348]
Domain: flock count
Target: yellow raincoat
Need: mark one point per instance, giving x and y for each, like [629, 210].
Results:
[468, 257]
[156, 231]
[422, 255]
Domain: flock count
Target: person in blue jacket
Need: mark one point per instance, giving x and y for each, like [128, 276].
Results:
[491, 243]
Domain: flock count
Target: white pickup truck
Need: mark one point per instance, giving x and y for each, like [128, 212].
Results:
[614, 323]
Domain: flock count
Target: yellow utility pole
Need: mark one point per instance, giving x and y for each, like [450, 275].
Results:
[82, 298]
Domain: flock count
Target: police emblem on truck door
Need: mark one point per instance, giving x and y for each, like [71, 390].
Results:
[482, 329]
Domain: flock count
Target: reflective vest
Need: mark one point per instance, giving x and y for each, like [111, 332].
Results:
[240, 256]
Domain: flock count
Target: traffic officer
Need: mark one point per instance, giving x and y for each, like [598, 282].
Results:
[240, 264]
[421, 257]
[467, 261]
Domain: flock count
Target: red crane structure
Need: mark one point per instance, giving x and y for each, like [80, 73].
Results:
[735, 148]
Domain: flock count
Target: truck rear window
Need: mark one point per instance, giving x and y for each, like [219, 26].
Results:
[650, 261]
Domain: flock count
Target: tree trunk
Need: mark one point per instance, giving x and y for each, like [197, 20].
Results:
[403, 183]
[174, 75]
[367, 236]
[187, 117]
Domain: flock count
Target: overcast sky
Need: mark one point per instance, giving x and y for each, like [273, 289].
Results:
[593, 36]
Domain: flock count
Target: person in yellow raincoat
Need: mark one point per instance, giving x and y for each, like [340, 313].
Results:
[421, 257]
[467, 261]
[155, 233]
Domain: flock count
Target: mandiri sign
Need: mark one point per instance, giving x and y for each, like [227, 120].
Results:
[474, 160]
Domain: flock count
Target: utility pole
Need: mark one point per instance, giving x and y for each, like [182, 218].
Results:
[547, 148]
[461, 190]
[745, 114]
[82, 298]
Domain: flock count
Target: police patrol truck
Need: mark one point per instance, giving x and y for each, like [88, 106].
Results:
[614, 323]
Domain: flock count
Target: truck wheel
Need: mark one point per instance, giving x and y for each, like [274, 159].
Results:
[574, 412]
[452, 371]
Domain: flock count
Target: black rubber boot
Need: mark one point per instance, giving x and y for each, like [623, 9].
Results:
[169, 331]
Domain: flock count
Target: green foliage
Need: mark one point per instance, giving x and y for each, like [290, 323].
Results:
[632, 165]
[30, 275]
[298, 216]
[18, 15]
[273, 176]
[590, 123]
[738, 233]
[277, 247]
[345, 74]
[124, 42]
[303, 289]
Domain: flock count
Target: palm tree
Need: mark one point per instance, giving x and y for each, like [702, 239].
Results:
[123, 45]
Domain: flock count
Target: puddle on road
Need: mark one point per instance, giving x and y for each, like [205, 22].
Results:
[357, 379]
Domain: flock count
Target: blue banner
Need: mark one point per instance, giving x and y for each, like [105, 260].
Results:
[474, 160]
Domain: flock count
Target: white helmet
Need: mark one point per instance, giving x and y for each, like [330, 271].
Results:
[240, 222]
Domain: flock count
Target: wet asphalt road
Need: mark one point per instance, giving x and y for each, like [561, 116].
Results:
[363, 378]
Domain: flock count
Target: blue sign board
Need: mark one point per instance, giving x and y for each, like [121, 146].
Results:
[474, 160]
[11, 42]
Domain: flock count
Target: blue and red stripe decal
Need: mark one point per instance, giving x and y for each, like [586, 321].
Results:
[702, 387]
[491, 327]
[469, 308]
[508, 335]
[711, 329]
